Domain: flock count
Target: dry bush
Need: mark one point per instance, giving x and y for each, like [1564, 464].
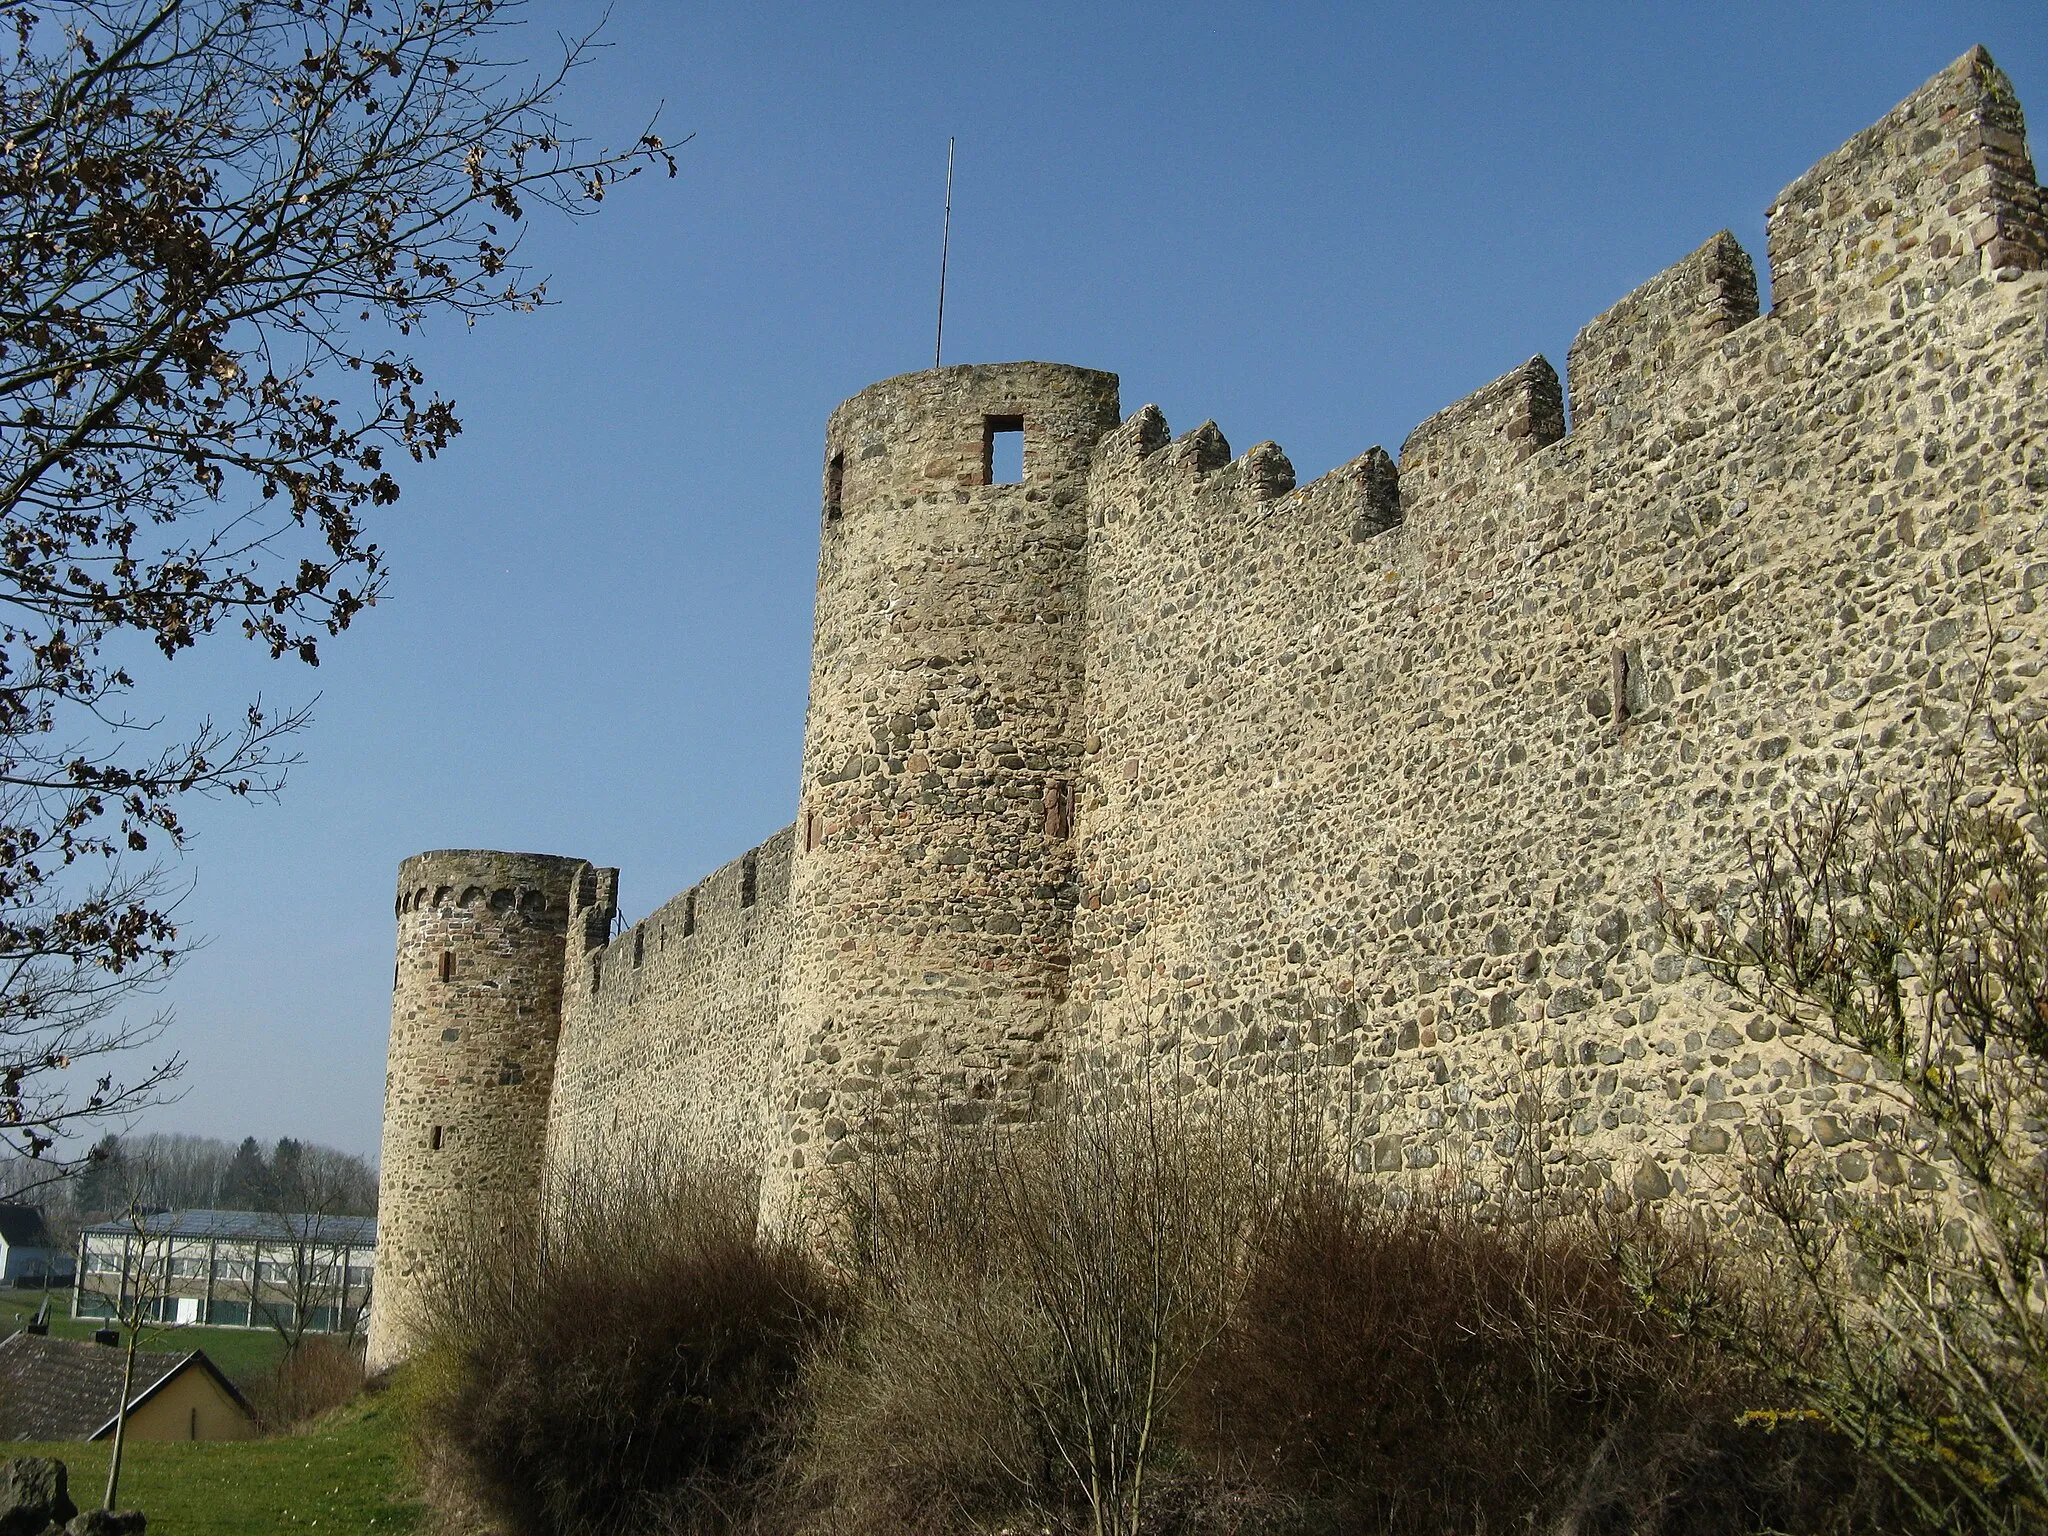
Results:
[321, 1374]
[1133, 1322]
[627, 1363]
[1031, 1305]
[1416, 1369]
[1149, 1321]
[916, 1425]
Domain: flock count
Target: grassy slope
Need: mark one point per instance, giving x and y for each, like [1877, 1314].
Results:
[241, 1353]
[346, 1475]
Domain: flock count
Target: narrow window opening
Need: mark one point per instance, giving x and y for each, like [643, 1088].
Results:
[835, 487]
[1002, 450]
[813, 834]
[639, 945]
[447, 965]
[750, 869]
[194, 1435]
[689, 914]
[434, 1139]
[1619, 667]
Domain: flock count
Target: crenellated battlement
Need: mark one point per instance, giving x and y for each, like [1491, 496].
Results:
[726, 907]
[1491, 430]
[1941, 192]
[1358, 790]
[1140, 436]
[531, 883]
[1937, 195]
[1362, 497]
[1660, 331]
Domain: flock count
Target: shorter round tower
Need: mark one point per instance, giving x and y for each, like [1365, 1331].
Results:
[476, 1008]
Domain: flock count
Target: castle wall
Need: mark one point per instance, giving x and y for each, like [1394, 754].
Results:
[669, 1032]
[1360, 791]
[1378, 790]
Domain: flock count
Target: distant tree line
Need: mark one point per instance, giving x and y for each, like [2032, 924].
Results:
[186, 1172]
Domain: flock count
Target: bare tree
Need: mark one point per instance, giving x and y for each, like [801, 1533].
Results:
[137, 1303]
[219, 222]
[1064, 1277]
[1910, 926]
[313, 1193]
[183, 1169]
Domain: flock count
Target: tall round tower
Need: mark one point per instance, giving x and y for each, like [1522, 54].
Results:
[932, 894]
[476, 1005]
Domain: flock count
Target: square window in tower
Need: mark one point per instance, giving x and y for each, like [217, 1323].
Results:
[1002, 450]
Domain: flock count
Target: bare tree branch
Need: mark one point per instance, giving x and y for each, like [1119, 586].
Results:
[220, 221]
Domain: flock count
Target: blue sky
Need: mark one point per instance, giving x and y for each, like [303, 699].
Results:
[1316, 224]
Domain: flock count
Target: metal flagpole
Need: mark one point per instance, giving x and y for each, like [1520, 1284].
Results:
[945, 243]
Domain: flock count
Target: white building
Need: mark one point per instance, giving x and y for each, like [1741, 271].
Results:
[27, 1255]
[231, 1269]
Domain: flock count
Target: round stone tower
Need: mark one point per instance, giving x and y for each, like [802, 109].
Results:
[932, 893]
[476, 1006]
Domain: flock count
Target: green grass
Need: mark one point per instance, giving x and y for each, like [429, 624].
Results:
[243, 1354]
[345, 1475]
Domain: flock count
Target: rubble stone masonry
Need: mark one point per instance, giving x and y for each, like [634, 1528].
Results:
[1358, 791]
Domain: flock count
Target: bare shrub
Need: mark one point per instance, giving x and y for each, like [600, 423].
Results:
[1126, 1319]
[916, 1425]
[320, 1375]
[1141, 1318]
[1032, 1302]
[1909, 925]
[626, 1362]
[1417, 1369]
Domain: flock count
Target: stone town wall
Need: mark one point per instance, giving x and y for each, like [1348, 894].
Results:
[1380, 780]
[669, 1032]
[1360, 789]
